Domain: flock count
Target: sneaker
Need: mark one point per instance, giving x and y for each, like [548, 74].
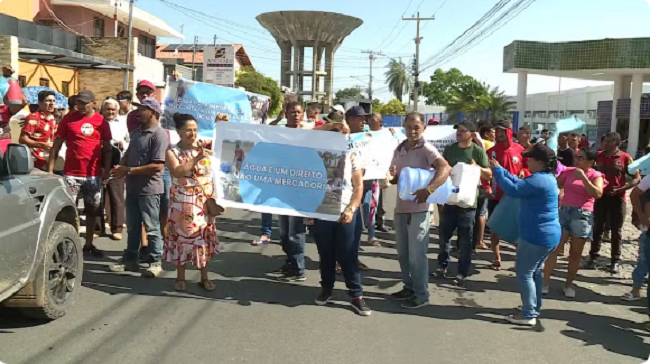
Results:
[324, 297]
[116, 236]
[545, 290]
[403, 295]
[414, 303]
[521, 321]
[383, 228]
[569, 292]
[589, 264]
[93, 251]
[292, 277]
[440, 273]
[360, 306]
[122, 266]
[615, 268]
[459, 281]
[284, 269]
[153, 271]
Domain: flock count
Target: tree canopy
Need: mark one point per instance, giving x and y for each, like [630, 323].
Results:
[393, 107]
[256, 82]
[398, 78]
[346, 93]
[440, 90]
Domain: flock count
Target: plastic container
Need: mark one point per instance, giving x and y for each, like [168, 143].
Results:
[226, 167]
[413, 179]
[504, 220]
[466, 178]
[642, 165]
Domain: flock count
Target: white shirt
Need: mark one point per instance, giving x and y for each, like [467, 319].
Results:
[119, 131]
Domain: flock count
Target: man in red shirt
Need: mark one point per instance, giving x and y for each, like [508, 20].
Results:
[613, 163]
[88, 140]
[38, 131]
[508, 154]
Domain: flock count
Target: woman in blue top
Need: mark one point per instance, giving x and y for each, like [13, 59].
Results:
[539, 225]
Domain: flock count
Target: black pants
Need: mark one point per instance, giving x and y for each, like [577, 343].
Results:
[379, 216]
[610, 208]
[115, 191]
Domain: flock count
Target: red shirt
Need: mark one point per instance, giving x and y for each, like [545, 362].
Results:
[508, 154]
[614, 168]
[83, 137]
[5, 116]
[40, 128]
[584, 143]
[133, 120]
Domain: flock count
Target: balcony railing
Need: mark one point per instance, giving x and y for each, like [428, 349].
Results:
[39, 33]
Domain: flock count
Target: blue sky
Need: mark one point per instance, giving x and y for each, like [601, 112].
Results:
[545, 20]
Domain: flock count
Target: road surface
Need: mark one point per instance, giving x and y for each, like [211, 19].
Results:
[250, 318]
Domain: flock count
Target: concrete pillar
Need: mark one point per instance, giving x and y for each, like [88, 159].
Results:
[314, 69]
[329, 77]
[522, 86]
[9, 52]
[301, 75]
[635, 114]
[626, 87]
[618, 92]
[296, 67]
[285, 66]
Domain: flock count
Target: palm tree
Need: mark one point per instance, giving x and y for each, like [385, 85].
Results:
[468, 98]
[398, 78]
[498, 104]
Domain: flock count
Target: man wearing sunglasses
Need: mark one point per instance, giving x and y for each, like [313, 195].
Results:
[144, 90]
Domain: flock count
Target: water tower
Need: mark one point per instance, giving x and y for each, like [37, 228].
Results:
[294, 31]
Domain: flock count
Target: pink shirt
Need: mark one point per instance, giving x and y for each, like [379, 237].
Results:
[575, 193]
[421, 156]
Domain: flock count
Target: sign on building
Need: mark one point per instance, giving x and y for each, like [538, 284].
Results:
[219, 65]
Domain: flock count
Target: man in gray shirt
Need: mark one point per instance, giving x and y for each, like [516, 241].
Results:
[142, 165]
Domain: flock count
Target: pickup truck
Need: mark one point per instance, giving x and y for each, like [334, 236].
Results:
[41, 259]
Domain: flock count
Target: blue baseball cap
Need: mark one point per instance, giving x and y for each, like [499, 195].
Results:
[151, 104]
[356, 111]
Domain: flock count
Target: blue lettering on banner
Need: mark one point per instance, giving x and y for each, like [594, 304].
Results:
[283, 176]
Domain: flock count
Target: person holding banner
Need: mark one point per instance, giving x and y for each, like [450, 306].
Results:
[412, 217]
[191, 232]
[337, 241]
[455, 217]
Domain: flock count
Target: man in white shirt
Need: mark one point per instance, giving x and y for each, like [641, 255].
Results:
[115, 186]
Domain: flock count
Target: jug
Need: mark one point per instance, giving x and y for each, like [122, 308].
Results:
[465, 179]
[413, 179]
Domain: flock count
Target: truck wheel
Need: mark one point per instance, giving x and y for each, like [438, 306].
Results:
[59, 275]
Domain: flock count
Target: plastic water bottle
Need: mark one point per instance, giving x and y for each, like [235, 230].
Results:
[413, 179]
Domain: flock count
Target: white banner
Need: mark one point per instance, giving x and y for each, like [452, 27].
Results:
[374, 150]
[440, 136]
[281, 171]
[219, 65]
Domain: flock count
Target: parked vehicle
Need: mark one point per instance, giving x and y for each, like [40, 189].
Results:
[41, 258]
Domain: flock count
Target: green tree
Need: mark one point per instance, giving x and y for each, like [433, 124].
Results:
[347, 93]
[443, 85]
[393, 107]
[256, 82]
[398, 78]
[498, 104]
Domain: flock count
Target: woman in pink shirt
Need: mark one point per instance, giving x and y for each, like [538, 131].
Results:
[580, 186]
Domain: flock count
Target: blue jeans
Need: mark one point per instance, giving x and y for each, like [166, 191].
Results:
[412, 238]
[337, 242]
[366, 206]
[143, 210]
[645, 240]
[267, 225]
[455, 217]
[641, 269]
[292, 239]
[530, 260]
[164, 198]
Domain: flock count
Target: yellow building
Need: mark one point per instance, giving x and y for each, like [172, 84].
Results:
[61, 79]
[21, 9]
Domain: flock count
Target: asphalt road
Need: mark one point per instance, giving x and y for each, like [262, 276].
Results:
[123, 318]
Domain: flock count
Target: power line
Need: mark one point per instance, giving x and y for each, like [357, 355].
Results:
[394, 27]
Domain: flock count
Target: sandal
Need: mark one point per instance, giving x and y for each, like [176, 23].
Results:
[260, 241]
[496, 265]
[363, 267]
[207, 285]
[179, 286]
[629, 297]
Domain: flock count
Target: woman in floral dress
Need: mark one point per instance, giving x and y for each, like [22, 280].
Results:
[191, 231]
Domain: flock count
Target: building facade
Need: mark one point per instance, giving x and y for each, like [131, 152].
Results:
[184, 57]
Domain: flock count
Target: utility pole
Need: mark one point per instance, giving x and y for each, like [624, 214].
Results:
[128, 47]
[196, 40]
[215, 40]
[372, 57]
[416, 91]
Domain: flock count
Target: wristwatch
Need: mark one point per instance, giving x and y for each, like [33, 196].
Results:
[352, 209]
[430, 190]
[129, 171]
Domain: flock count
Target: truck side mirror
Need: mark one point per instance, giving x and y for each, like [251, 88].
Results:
[18, 160]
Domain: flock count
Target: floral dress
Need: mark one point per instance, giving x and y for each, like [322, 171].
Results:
[191, 233]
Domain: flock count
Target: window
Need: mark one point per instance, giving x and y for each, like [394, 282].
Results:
[22, 81]
[65, 88]
[44, 82]
[121, 31]
[98, 27]
[147, 46]
[49, 23]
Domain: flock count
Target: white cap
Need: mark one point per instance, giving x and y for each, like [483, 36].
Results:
[338, 108]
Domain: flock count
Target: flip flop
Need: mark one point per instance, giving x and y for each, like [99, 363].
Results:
[496, 265]
[258, 242]
[179, 286]
[629, 297]
[203, 284]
